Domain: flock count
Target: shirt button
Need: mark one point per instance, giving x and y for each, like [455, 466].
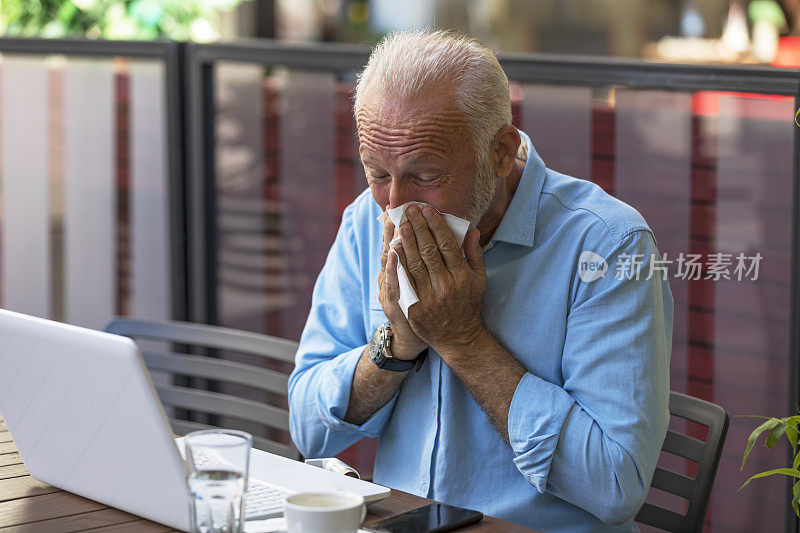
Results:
[424, 488]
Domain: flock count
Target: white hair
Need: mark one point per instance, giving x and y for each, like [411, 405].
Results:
[404, 65]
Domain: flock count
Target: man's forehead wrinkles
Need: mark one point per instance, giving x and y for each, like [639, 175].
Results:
[415, 132]
[410, 129]
[373, 151]
[411, 118]
[431, 136]
[435, 149]
[406, 136]
[417, 128]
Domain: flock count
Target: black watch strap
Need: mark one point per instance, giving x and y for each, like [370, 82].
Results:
[398, 365]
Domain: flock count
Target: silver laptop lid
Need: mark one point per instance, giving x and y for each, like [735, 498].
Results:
[83, 412]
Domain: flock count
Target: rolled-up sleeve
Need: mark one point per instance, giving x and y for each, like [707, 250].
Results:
[332, 342]
[595, 441]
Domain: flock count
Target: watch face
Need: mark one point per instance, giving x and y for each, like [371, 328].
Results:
[376, 345]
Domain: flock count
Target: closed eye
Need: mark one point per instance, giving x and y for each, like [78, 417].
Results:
[432, 178]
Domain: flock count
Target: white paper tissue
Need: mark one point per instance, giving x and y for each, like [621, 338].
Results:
[458, 226]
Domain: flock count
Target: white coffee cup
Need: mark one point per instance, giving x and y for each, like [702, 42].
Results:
[324, 512]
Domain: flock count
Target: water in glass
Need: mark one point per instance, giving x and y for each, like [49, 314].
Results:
[217, 462]
[218, 500]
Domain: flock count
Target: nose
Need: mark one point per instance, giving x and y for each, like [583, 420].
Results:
[400, 192]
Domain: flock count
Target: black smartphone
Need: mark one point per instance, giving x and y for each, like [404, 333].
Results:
[433, 518]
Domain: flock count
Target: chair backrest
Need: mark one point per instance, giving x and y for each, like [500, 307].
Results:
[706, 454]
[188, 336]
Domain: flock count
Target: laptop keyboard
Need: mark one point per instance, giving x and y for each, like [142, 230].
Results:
[263, 499]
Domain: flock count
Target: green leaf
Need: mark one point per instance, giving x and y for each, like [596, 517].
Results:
[793, 472]
[66, 12]
[796, 463]
[796, 499]
[769, 424]
[776, 433]
[791, 434]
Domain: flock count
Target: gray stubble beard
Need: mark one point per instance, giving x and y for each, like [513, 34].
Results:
[483, 188]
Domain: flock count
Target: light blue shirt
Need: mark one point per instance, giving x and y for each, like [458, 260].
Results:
[588, 418]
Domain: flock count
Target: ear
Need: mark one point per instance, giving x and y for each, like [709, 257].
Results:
[504, 153]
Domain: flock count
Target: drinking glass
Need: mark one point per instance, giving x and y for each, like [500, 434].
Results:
[217, 461]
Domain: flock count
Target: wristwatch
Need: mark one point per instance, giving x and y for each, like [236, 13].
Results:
[380, 352]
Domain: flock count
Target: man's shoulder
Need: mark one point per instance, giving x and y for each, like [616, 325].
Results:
[362, 211]
[583, 204]
[360, 224]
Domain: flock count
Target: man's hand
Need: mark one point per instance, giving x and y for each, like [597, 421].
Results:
[449, 286]
[405, 343]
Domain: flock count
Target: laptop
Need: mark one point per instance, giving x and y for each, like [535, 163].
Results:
[85, 417]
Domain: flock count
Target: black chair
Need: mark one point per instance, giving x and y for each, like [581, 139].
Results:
[705, 454]
[268, 417]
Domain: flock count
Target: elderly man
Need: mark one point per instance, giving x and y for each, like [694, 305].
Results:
[531, 379]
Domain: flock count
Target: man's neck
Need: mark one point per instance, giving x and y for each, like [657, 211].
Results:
[502, 199]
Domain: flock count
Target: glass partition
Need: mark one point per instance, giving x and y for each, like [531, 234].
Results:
[25, 271]
[276, 209]
[559, 122]
[84, 190]
[285, 171]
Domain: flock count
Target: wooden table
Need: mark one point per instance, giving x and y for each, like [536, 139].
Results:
[28, 505]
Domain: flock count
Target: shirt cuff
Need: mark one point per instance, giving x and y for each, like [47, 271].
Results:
[333, 397]
[537, 413]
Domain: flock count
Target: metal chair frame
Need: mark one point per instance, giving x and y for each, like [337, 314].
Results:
[203, 336]
[706, 454]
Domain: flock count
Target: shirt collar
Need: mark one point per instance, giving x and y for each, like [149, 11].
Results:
[519, 221]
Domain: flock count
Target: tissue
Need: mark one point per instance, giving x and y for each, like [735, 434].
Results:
[458, 226]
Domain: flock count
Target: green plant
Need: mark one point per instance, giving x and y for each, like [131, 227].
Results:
[113, 19]
[777, 428]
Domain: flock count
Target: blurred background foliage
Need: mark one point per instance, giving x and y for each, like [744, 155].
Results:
[181, 20]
